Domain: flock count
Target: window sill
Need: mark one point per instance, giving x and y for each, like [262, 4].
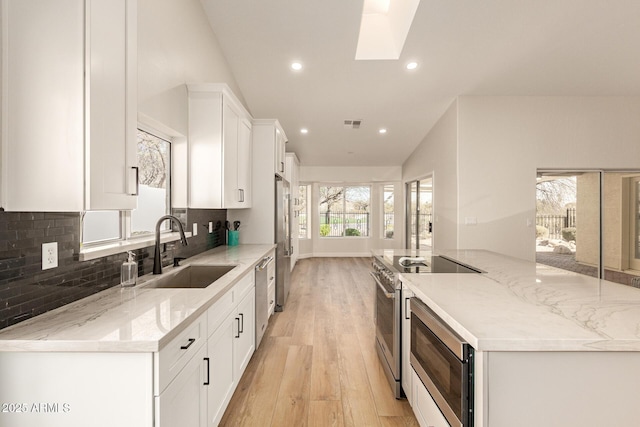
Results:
[112, 248]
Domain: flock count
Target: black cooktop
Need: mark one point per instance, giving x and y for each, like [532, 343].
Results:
[431, 264]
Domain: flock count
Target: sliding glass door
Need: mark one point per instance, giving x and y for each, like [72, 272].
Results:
[419, 214]
[634, 223]
[589, 222]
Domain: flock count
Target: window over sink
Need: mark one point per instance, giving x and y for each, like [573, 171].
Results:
[154, 196]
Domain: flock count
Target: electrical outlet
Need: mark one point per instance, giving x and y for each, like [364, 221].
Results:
[49, 255]
[195, 229]
[210, 226]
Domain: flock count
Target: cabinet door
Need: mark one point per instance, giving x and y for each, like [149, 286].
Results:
[245, 337]
[221, 378]
[424, 407]
[280, 150]
[244, 163]
[205, 150]
[42, 59]
[230, 155]
[406, 377]
[184, 402]
[111, 106]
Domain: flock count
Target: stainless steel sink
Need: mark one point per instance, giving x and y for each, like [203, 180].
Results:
[191, 276]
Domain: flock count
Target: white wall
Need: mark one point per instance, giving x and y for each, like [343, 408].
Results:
[337, 246]
[176, 45]
[502, 141]
[437, 156]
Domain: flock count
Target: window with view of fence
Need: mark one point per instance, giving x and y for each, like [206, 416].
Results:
[344, 211]
[555, 223]
[344, 224]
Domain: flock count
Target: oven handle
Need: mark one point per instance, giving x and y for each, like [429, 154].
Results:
[384, 291]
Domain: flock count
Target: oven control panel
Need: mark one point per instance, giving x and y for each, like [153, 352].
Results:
[384, 274]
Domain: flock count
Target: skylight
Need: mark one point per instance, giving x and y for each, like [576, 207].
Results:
[384, 28]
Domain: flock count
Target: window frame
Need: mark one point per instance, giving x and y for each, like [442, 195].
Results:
[344, 201]
[383, 187]
[304, 208]
[127, 241]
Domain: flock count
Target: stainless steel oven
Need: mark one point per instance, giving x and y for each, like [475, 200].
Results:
[387, 319]
[444, 364]
[386, 271]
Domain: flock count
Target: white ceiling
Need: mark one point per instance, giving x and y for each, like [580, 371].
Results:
[463, 47]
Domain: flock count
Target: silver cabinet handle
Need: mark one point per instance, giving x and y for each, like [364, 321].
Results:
[136, 179]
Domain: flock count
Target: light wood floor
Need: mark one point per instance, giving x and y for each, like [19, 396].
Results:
[317, 365]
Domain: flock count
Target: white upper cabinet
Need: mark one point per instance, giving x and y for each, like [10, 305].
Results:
[69, 105]
[219, 149]
[280, 164]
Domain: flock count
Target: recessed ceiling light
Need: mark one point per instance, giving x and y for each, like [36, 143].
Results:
[296, 66]
[382, 131]
[304, 130]
[412, 65]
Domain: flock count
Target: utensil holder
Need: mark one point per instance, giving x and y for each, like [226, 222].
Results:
[234, 238]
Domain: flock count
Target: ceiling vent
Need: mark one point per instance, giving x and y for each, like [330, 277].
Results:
[352, 124]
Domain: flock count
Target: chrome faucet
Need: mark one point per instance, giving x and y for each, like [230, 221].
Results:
[157, 263]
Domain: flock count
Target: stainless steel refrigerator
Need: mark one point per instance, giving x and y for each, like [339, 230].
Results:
[283, 240]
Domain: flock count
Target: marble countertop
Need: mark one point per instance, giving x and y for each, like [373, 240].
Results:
[523, 306]
[136, 319]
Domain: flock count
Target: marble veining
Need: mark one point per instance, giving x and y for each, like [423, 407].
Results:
[522, 306]
[137, 319]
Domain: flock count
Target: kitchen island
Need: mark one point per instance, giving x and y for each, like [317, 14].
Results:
[552, 347]
[139, 356]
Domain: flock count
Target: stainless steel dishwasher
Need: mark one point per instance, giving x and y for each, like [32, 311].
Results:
[262, 301]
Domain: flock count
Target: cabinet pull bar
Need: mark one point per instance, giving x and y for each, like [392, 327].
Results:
[282, 167]
[406, 300]
[136, 178]
[206, 359]
[191, 341]
[242, 327]
[238, 319]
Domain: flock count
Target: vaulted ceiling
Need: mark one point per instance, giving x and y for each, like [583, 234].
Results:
[462, 47]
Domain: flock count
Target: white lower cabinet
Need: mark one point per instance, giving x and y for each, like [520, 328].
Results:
[188, 383]
[184, 402]
[405, 374]
[222, 342]
[424, 407]
[271, 296]
[70, 389]
[271, 286]
[230, 348]
[221, 379]
[245, 338]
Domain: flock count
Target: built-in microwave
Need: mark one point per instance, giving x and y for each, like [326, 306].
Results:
[444, 363]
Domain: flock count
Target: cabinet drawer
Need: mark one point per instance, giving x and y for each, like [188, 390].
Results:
[271, 297]
[424, 407]
[243, 286]
[174, 356]
[220, 310]
[271, 269]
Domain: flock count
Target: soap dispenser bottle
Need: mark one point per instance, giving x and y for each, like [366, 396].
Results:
[129, 272]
